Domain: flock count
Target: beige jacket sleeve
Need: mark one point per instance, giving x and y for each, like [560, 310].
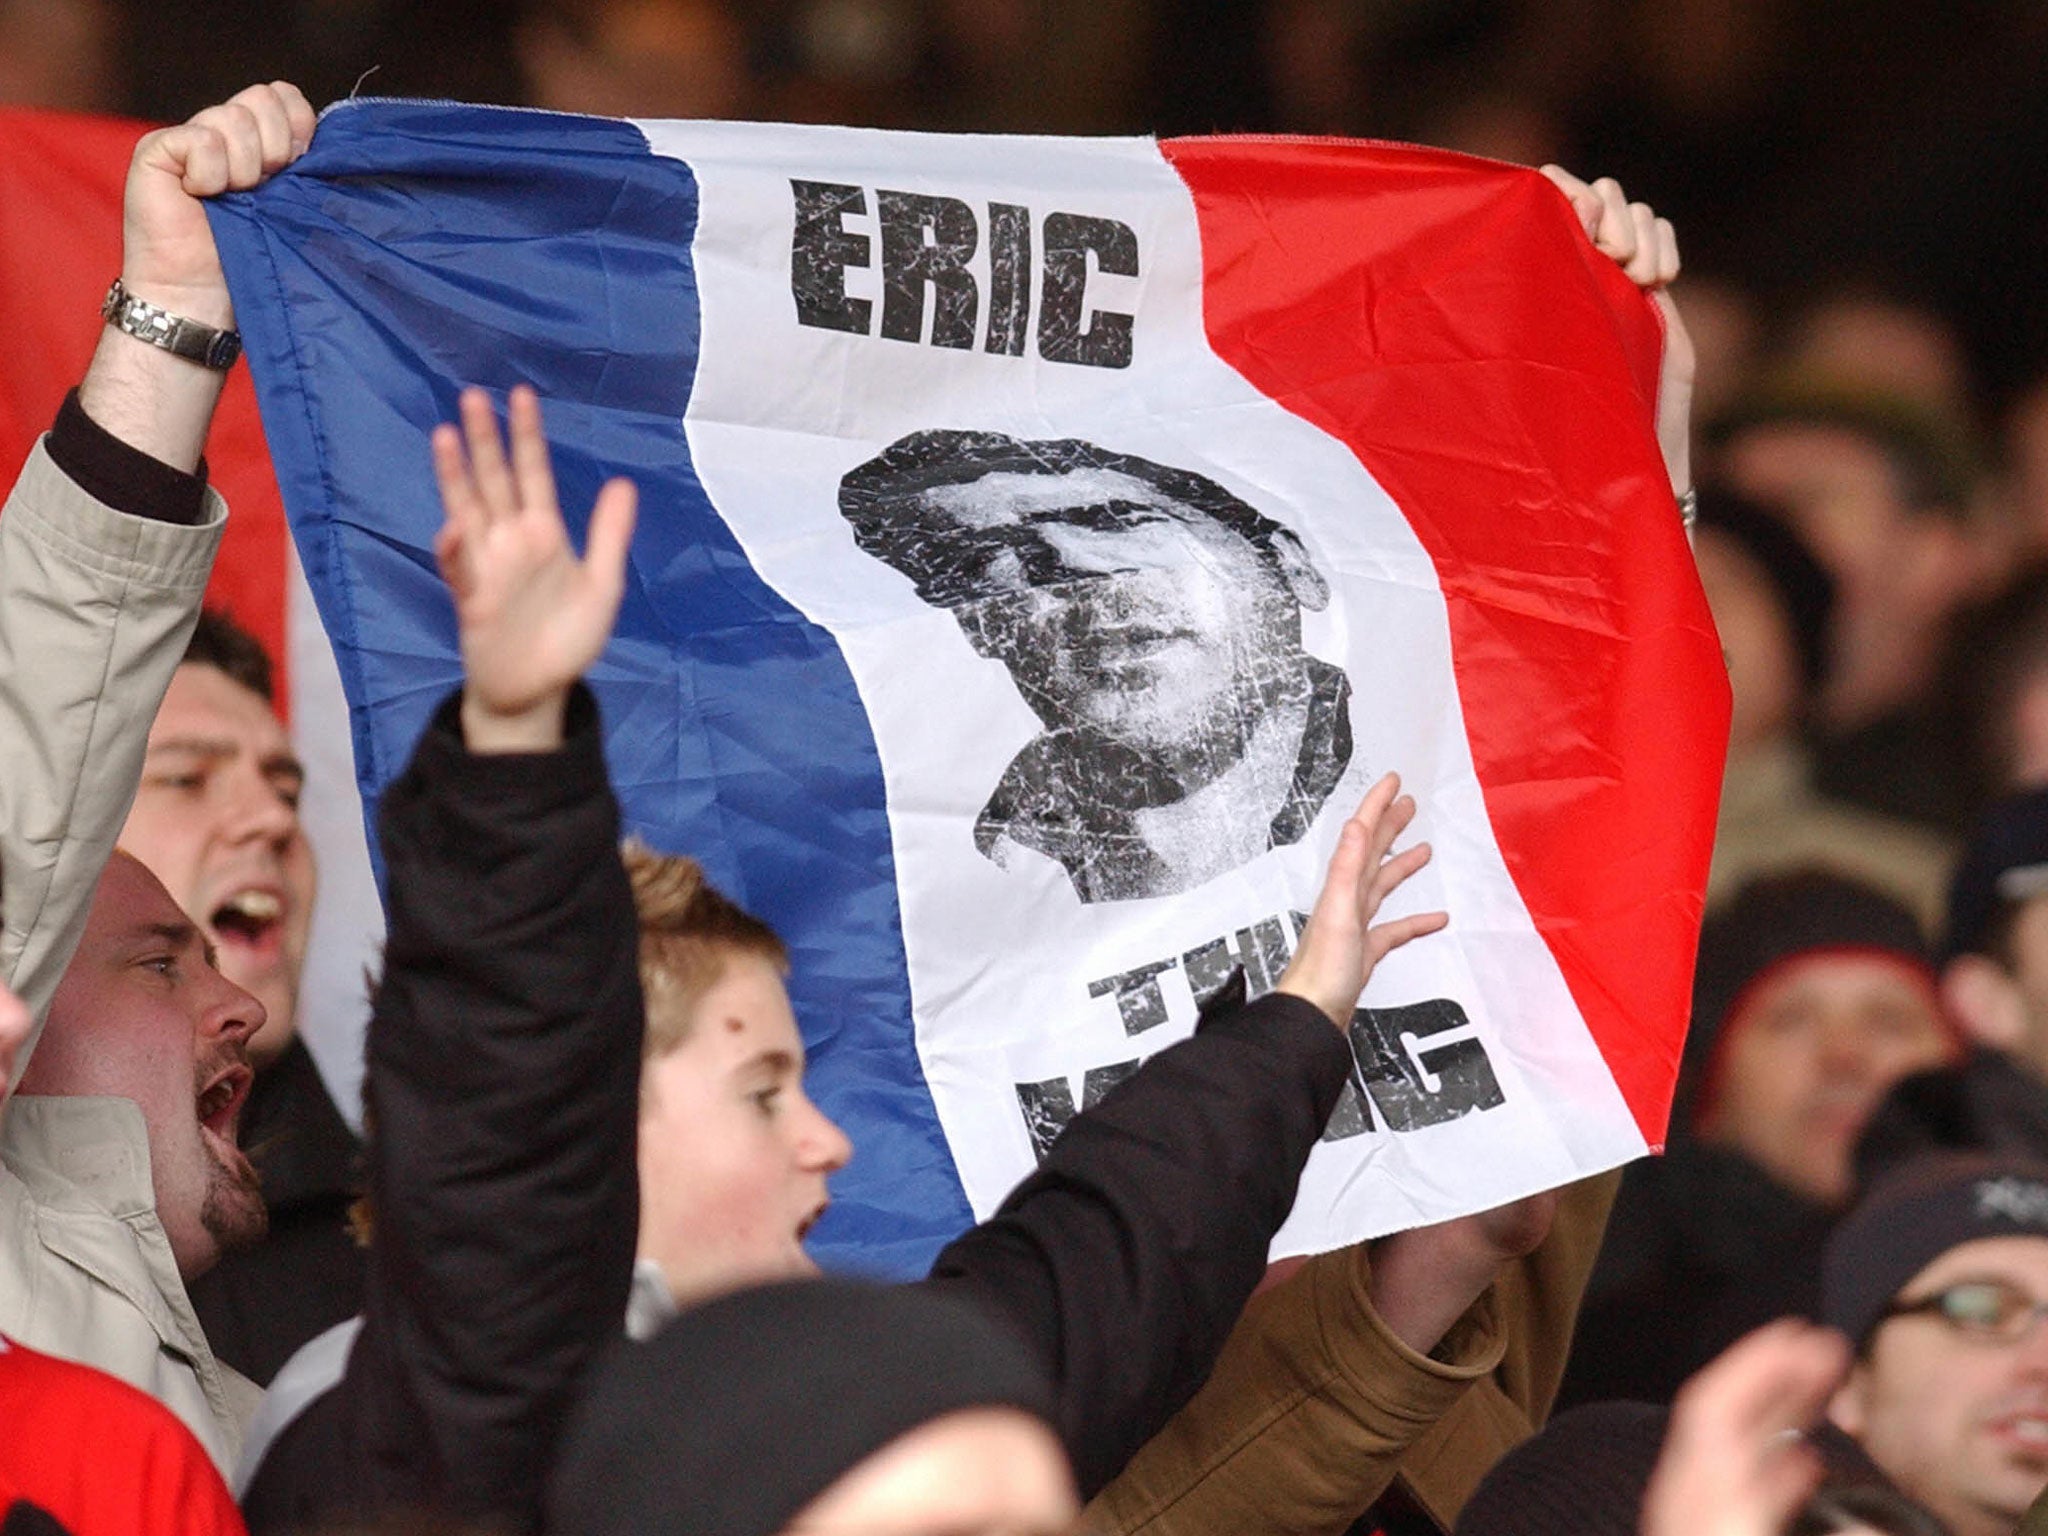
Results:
[96, 607]
[1315, 1408]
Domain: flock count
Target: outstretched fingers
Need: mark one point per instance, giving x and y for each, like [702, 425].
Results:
[1388, 875]
[533, 476]
[611, 535]
[1359, 848]
[1382, 939]
[1340, 945]
[460, 512]
[1390, 822]
[497, 494]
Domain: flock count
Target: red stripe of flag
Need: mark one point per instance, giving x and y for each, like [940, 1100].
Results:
[1524, 457]
[60, 246]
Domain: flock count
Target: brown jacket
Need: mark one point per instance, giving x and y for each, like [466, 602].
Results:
[1314, 1407]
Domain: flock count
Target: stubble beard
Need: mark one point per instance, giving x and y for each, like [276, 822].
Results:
[233, 1212]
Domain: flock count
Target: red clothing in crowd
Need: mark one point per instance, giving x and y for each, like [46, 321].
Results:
[101, 1458]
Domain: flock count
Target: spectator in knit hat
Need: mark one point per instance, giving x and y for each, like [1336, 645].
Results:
[827, 1407]
[1814, 994]
[1771, 602]
[1939, 1278]
[1743, 1451]
[1994, 983]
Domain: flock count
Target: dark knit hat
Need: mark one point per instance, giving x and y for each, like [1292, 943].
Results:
[744, 1410]
[1914, 1215]
[1804, 589]
[2005, 864]
[1585, 1472]
[1770, 921]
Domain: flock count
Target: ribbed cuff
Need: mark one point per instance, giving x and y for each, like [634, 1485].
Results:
[123, 476]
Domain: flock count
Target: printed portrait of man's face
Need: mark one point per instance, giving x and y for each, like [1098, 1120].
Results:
[1119, 608]
[1149, 619]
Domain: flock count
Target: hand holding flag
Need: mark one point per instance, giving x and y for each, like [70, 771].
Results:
[1645, 247]
[152, 400]
[168, 255]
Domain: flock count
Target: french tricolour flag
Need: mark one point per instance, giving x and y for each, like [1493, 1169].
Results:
[1044, 542]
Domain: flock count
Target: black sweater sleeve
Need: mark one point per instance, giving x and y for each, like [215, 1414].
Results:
[1125, 1260]
[122, 476]
[502, 1082]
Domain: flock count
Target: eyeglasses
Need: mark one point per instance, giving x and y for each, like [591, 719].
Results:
[1991, 1309]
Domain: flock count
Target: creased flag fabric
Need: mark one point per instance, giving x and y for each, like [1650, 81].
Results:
[1043, 544]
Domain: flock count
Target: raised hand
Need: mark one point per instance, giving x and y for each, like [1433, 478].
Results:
[532, 617]
[1341, 944]
[1646, 249]
[1735, 1460]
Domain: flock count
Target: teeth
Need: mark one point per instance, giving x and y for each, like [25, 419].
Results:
[216, 1099]
[257, 906]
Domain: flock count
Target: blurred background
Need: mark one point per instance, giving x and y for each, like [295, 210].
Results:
[1889, 154]
[1860, 189]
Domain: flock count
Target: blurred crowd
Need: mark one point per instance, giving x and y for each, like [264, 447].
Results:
[1889, 148]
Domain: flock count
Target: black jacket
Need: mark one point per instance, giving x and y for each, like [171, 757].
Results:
[502, 1095]
[259, 1305]
[1126, 1259]
[1702, 1247]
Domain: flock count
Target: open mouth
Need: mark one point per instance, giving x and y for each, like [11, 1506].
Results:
[252, 918]
[803, 1228]
[220, 1102]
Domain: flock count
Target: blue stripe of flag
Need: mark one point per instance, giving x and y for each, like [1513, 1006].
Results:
[418, 247]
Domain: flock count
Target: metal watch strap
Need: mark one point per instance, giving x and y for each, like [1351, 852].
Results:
[203, 344]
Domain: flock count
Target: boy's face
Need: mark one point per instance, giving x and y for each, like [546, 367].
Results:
[733, 1156]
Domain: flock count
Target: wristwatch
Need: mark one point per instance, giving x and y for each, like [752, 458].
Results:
[174, 333]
